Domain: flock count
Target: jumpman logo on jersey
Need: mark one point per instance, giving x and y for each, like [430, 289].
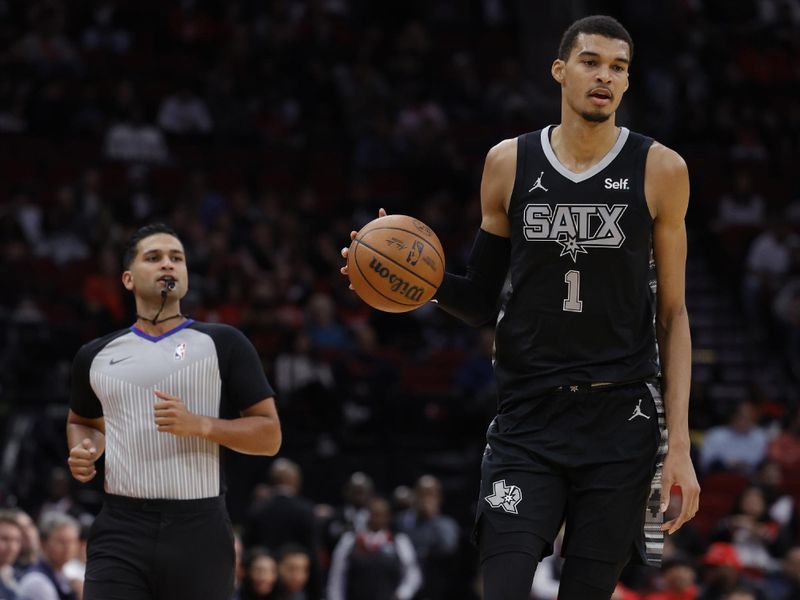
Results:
[637, 412]
[538, 184]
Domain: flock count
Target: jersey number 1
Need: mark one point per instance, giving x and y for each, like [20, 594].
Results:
[572, 302]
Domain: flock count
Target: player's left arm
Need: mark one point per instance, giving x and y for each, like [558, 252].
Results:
[256, 431]
[667, 191]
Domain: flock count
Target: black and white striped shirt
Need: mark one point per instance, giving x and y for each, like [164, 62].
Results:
[212, 368]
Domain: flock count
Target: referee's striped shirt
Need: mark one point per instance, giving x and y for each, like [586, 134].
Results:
[212, 368]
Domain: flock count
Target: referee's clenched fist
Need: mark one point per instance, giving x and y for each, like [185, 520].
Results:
[81, 461]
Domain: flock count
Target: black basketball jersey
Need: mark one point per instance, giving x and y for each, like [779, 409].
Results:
[581, 304]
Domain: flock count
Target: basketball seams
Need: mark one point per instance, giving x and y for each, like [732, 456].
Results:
[366, 279]
[389, 258]
[426, 240]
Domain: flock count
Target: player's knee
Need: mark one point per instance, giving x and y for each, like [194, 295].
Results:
[492, 543]
[588, 579]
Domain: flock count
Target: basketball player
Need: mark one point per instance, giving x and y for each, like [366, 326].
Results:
[574, 211]
[161, 398]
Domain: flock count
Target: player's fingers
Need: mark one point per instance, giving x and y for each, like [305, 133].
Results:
[343, 270]
[666, 527]
[353, 234]
[351, 287]
[666, 490]
[693, 499]
[81, 469]
[345, 252]
[81, 454]
[381, 212]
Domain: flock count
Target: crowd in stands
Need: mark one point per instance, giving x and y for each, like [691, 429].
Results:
[263, 132]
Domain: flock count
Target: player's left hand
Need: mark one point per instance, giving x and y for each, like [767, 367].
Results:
[678, 470]
[172, 416]
[346, 250]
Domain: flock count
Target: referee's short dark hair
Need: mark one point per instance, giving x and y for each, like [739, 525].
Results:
[595, 25]
[131, 247]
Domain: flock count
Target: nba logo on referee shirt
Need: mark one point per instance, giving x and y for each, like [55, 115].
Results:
[505, 496]
[180, 352]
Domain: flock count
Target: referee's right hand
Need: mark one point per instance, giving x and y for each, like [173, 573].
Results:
[81, 461]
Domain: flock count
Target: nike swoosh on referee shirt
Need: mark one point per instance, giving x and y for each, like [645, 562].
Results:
[114, 362]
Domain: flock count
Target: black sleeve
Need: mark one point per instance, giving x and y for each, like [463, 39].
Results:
[473, 297]
[83, 400]
[242, 372]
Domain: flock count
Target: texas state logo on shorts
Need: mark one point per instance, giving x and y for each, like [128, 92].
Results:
[505, 496]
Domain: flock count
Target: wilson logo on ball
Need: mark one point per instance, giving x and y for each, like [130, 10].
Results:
[396, 283]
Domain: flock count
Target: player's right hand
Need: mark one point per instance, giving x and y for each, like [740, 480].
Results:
[346, 249]
[81, 461]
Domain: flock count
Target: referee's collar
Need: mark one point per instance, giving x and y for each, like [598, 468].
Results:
[158, 338]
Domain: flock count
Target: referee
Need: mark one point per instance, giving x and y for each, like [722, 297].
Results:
[161, 398]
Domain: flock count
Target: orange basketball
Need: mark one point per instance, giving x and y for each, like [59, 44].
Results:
[396, 263]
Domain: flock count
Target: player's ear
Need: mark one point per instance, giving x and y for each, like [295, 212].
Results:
[557, 70]
[127, 280]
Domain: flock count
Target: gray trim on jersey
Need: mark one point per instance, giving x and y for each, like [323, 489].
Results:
[142, 462]
[654, 518]
[591, 172]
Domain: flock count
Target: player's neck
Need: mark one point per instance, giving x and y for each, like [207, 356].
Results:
[579, 144]
[169, 317]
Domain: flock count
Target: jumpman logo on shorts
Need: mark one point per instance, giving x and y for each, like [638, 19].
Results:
[538, 184]
[637, 412]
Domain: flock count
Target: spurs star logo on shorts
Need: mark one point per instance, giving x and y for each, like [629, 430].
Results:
[505, 497]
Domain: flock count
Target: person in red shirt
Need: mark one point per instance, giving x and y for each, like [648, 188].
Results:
[678, 577]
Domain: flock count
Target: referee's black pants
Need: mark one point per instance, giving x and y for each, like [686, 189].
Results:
[160, 550]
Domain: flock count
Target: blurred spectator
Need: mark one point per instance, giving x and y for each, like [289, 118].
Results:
[785, 584]
[743, 593]
[306, 385]
[286, 518]
[184, 113]
[780, 505]
[132, 139]
[46, 48]
[31, 543]
[353, 514]
[740, 445]
[261, 574]
[722, 571]
[784, 449]
[678, 581]
[374, 564]
[107, 30]
[58, 494]
[435, 538]
[767, 263]
[293, 573]
[75, 569]
[757, 538]
[741, 206]
[10, 545]
[46, 580]
[324, 330]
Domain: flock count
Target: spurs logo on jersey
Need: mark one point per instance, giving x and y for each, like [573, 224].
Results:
[575, 227]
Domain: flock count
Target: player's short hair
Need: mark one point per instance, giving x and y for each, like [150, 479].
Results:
[595, 25]
[131, 247]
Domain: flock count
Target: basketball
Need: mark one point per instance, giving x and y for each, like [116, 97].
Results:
[395, 263]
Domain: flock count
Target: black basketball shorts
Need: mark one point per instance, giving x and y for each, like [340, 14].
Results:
[588, 458]
[160, 550]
